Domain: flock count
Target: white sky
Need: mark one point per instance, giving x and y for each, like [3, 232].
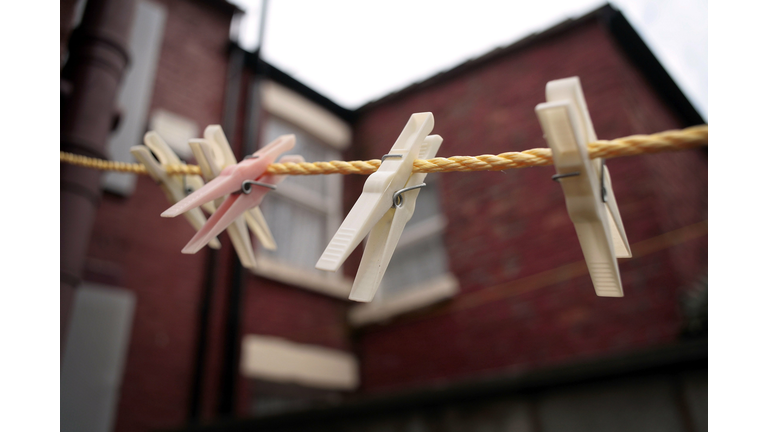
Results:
[357, 51]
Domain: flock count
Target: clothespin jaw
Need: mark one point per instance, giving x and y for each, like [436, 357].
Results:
[384, 236]
[376, 199]
[586, 184]
[174, 187]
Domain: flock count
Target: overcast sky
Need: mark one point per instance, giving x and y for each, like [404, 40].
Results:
[357, 51]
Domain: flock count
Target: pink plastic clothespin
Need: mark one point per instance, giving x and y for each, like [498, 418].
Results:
[586, 183]
[219, 157]
[247, 177]
[214, 154]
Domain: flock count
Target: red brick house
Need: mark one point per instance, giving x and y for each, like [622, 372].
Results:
[487, 317]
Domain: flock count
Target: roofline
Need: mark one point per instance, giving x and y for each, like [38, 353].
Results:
[644, 60]
[628, 40]
[257, 65]
[630, 43]
[486, 58]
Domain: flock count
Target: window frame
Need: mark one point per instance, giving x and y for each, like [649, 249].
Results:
[289, 107]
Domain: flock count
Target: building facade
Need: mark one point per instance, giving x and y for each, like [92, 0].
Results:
[487, 317]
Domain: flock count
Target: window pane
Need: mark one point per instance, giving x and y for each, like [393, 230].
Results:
[308, 146]
[300, 233]
[413, 265]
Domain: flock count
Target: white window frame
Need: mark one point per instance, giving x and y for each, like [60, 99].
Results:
[291, 107]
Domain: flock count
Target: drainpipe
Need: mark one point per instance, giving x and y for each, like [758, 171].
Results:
[239, 278]
[98, 56]
[229, 124]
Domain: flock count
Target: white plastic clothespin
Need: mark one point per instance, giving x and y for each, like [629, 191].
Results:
[247, 178]
[213, 154]
[586, 183]
[176, 188]
[386, 204]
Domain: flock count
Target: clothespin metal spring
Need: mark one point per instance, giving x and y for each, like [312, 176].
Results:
[393, 155]
[557, 177]
[398, 200]
[603, 191]
[246, 186]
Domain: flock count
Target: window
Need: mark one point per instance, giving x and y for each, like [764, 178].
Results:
[305, 211]
[418, 274]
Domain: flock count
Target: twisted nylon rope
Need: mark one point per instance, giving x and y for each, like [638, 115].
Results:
[628, 146]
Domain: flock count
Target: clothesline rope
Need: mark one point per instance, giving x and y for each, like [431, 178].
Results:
[672, 140]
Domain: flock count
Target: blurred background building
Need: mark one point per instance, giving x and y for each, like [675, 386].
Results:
[487, 318]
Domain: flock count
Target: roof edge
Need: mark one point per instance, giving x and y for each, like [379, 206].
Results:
[254, 62]
[483, 59]
[628, 40]
[641, 56]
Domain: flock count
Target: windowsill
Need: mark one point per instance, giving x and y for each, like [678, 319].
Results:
[280, 360]
[331, 284]
[428, 293]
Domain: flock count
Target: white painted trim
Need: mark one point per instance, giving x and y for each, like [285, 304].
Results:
[176, 130]
[331, 284]
[428, 293]
[290, 106]
[276, 359]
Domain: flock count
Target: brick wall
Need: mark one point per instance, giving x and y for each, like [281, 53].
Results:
[132, 247]
[293, 313]
[526, 300]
